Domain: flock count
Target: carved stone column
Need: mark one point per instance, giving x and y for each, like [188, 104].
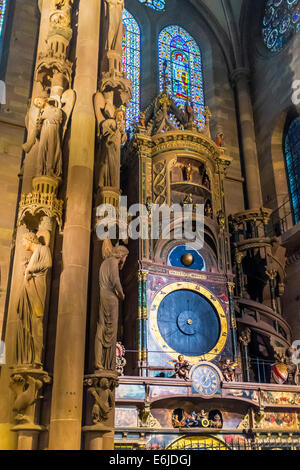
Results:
[233, 324]
[66, 410]
[245, 338]
[240, 79]
[32, 211]
[272, 275]
[113, 94]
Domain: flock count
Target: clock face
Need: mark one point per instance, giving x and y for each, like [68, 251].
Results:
[187, 319]
[206, 380]
[188, 322]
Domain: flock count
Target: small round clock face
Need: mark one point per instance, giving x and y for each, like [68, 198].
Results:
[206, 380]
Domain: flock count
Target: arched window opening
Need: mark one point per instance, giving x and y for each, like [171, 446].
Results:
[131, 65]
[180, 55]
[292, 159]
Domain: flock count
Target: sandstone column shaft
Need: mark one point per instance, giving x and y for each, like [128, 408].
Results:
[241, 81]
[8, 438]
[66, 410]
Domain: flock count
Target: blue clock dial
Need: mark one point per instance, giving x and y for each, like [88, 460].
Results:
[188, 323]
[206, 380]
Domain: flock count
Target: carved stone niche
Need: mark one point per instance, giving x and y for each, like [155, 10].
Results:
[26, 385]
[101, 388]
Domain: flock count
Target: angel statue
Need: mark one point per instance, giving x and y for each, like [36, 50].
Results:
[111, 129]
[31, 303]
[110, 293]
[46, 123]
[49, 159]
[113, 10]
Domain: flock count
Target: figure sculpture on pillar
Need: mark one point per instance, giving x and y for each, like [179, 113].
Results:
[110, 293]
[46, 122]
[49, 160]
[113, 20]
[103, 401]
[31, 303]
[113, 135]
[111, 131]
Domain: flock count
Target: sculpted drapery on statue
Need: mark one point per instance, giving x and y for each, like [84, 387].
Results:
[111, 131]
[110, 293]
[113, 136]
[113, 24]
[46, 121]
[49, 161]
[31, 303]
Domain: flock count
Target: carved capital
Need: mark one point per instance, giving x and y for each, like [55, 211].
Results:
[101, 387]
[26, 385]
[272, 274]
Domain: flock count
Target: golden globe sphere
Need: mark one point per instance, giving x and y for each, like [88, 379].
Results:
[187, 259]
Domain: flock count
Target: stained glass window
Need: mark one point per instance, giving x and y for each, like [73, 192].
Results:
[155, 4]
[131, 65]
[281, 20]
[180, 56]
[3, 4]
[292, 158]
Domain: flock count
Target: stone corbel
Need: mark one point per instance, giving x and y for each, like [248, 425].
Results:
[26, 385]
[101, 387]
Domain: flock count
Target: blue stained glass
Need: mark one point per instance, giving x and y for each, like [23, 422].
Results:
[155, 4]
[180, 52]
[280, 22]
[131, 65]
[3, 4]
[292, 158]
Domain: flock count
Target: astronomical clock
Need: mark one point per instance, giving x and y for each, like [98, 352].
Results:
[183, 296]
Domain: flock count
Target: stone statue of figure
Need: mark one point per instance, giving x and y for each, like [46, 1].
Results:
[31, 303]
[114, 24]
[110, 293]
[49, 158]
[113, 136]
[46, 122]
[103, 401]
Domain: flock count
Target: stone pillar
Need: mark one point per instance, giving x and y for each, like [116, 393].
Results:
[233, 324]
[45, 7]
[240, 79]
[145, 321]
[66, 410]
[140, 321]
[272, 275]
[245, 338]
[8, 439]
